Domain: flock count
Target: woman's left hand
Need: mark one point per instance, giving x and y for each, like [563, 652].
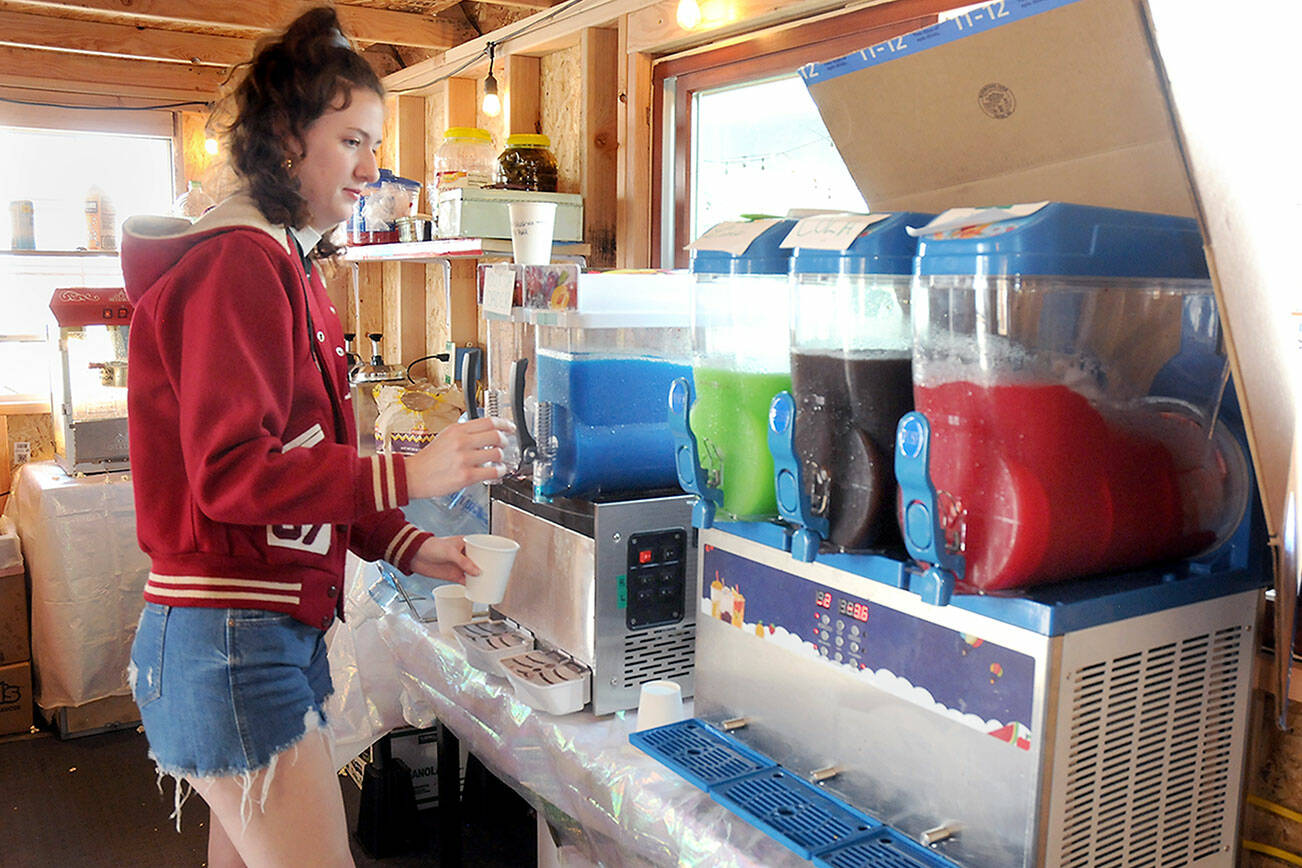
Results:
[444, 557]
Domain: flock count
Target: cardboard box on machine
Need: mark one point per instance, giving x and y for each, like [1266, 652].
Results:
[1014, 101]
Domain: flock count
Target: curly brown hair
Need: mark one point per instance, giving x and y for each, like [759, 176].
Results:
[292, 80]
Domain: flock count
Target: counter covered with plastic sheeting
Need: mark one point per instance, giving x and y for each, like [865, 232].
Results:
[88, 574]
[630, 809]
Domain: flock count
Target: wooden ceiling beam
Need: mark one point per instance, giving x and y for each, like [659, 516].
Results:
[255, 17]
[88, 74]
[120, 40]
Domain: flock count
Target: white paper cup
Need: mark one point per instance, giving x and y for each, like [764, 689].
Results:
[659, 704]
[532, 225]
[494, 556]
[451, 607]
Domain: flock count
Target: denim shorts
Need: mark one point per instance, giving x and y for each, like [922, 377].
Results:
[223, 691]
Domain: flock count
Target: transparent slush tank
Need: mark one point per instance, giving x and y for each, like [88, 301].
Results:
[1075, 422]
[851, 378]
[510, 338]
[741, 358]
[602, 388]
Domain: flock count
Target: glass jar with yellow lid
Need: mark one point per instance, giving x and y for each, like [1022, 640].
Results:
[527, 163]
[466, 158]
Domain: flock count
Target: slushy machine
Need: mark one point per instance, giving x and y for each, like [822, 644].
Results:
[602, 593]
[1014, 626]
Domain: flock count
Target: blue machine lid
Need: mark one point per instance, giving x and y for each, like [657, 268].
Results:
[762, 256]
[883, 247]
[1069, 240]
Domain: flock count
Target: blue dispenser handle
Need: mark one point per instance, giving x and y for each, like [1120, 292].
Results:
[687, 462]
[789, 481]
[923, 535]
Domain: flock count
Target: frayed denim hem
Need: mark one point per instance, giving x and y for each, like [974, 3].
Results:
[258, 779]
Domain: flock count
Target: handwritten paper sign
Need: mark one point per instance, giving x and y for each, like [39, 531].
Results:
[499, 289]
[830, 231]
[733, 237]
[957, 218]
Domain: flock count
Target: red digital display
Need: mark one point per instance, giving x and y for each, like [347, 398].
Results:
[858, 611]
[644, 556]
[823, 599]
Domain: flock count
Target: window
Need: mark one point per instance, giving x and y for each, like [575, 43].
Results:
[735, 131]
[762, 148]
[55, 170]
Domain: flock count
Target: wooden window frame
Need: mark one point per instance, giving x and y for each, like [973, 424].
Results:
[766, 55]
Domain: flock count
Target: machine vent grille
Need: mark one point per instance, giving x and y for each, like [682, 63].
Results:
[1149, 754]
[662, 652]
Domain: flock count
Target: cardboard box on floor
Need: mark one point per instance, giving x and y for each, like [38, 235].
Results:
[1067, 100]
[15, 645]
[15, 698]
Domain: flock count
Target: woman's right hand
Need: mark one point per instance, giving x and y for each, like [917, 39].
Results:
[460, 455]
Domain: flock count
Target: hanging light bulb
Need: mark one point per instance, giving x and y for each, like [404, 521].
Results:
[689, 14]
[492, 104]
[210, 145]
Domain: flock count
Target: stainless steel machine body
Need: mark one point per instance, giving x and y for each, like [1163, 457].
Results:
[611, 584]
[1118, 743]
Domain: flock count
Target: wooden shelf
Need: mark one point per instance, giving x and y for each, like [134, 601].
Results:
[446, 248]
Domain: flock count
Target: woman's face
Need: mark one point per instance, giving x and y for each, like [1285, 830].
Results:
[335, 158]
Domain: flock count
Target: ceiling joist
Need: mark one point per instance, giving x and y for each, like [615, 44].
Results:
[252, 18]
[24, 30]
[83, 73]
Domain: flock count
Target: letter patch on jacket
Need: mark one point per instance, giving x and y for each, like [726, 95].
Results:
[313, 538]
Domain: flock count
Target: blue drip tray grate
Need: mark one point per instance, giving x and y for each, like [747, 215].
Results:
[699, 753]
[881, 849]
[793, 811]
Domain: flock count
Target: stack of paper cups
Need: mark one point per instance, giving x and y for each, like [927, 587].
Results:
[451, 607]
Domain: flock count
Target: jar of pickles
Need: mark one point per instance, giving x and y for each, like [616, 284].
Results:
[527, 164]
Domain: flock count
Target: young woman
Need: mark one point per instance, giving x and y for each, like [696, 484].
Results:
[248, 487]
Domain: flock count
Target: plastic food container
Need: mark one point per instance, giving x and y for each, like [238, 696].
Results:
[1070, 364]
[527, 164]
[852, 373]
[375, 217]
[466, 158]
[740, 360]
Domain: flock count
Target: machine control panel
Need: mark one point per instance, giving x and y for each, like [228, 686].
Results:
[840, 625]
[657, 578]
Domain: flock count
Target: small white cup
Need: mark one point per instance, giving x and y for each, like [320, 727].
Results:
[532, 226]
[451, 607]
[494, 556]
[660, 703]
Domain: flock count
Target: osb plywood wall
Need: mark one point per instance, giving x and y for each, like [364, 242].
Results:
[34, 429]
[38, 430]
[562, 115]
